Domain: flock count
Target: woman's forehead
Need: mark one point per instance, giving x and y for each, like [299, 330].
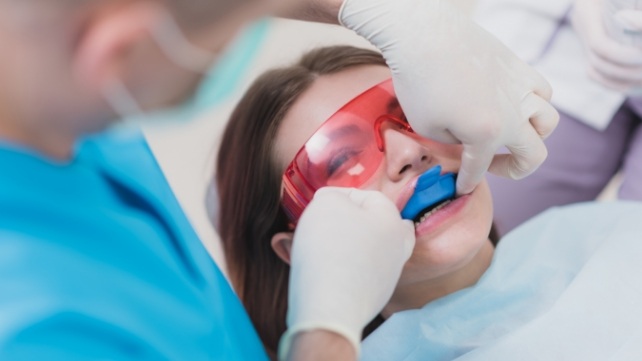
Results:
[330, 93]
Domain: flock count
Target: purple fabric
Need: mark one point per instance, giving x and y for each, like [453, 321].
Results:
[580, 163]
[632, 168]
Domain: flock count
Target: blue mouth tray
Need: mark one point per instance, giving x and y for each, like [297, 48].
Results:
[432, 187]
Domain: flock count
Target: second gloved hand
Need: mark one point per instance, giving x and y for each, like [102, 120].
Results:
[347, 255]
[458, 83]
[614, 64]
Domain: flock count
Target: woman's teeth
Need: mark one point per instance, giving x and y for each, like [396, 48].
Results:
[432, 211]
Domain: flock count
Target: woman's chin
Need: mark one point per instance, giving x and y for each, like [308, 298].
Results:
[450, 238]
[436, 259]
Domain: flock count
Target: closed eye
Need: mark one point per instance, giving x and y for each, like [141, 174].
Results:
[340, 158]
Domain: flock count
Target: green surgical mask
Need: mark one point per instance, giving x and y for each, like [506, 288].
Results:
[218, 83]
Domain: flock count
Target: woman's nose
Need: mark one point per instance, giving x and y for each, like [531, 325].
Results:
[405, 156]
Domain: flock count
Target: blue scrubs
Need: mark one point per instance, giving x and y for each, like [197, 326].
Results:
[98, 261]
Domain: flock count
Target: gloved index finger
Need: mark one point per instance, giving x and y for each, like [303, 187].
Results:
[542, 87]
[526, 155]
[475, 160]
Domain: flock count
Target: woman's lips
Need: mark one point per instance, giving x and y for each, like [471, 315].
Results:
[432, 189]
[407, 191]
[442, 216]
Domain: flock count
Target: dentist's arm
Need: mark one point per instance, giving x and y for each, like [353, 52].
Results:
[320, 11]
[348, 252]
[455, 82]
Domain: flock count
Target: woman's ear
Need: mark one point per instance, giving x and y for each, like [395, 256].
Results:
[108, 39]
[282, 245]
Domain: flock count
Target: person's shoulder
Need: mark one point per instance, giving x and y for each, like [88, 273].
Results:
[127, 142]
[60, 302]
[125, 153]
[49, 278]
[33, 264]
[40, 277]
[51, 301]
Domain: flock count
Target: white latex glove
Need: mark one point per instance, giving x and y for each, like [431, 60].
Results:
[611, 63]
[458, 83]
[347, 255]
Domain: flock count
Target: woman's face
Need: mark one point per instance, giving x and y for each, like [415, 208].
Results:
[448, 239]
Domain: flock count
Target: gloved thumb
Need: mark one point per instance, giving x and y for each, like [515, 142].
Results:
[475, 161]
[365, 199]
[631, 20]
[357, 196]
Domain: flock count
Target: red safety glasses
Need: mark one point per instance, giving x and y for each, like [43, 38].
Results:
[345, 151]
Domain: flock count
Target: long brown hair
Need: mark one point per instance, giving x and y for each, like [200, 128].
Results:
[249, 184]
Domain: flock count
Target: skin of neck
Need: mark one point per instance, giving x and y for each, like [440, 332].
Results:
[52, 136]
[416, 295]
[56, 145]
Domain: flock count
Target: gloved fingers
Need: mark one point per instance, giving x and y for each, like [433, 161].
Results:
[630, 19]
[366, 199]
[541, 86]
[588, 21]
[440, 135]
[623, 73]
[543, 116]
[475, 160]
[614, 84]
[409, 239]
[333, 192]
[381, 205]
[600, 43]
[526, 155]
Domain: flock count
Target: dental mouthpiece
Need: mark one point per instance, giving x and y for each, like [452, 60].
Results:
[431, 189]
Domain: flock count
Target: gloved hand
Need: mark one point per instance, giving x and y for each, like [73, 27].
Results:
[458, 83]
[612, 63]
[347, 255]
